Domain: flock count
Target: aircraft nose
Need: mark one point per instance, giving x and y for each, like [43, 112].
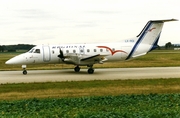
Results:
[15, 60]
[8, 62]
[11, 61]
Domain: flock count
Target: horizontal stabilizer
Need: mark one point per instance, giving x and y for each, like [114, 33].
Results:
[167, 20]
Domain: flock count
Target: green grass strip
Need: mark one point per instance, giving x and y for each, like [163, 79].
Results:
[88, 88]
[121, 106]
[24, 87]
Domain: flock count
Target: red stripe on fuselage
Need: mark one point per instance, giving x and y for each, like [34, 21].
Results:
[112, 52]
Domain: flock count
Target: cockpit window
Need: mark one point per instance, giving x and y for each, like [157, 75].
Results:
[37, 51]
[31, 51]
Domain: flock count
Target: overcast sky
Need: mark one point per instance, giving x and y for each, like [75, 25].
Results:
[84, 21]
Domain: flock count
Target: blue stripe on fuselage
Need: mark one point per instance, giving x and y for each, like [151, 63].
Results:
[139, 40]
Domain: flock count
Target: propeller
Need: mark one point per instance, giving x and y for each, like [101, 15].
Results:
[61, 55]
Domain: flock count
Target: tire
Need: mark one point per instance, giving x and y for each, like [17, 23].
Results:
[77, 69]
[24, 72]
[90, 70]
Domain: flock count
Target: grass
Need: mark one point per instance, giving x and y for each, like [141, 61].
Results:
[108, 98]
[121, 106]
[88, 88]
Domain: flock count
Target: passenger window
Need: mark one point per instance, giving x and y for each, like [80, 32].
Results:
[94, 50]
[67, 51]
[81, 51]
[37, 51]
[74, 51]
[113, 49]
[88, 50]
[53, 51]
[101, 50]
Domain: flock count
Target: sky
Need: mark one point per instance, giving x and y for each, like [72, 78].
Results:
[84, 21]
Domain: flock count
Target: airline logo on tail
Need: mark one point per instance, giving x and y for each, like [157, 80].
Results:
[151, 29]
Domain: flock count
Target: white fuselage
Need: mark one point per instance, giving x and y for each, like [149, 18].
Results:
[117, 51]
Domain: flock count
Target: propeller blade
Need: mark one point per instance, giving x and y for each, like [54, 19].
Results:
[61, 55]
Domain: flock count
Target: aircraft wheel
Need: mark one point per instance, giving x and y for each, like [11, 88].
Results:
[24, 72]
[77, 69]
[90, 70]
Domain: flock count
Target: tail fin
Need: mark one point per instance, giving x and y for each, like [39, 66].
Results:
[151, 32]
[148, 38]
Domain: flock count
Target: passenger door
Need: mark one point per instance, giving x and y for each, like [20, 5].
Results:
[46, 54]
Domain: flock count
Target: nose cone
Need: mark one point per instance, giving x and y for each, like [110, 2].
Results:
[12, 61]
[15, 60]
[9, 61]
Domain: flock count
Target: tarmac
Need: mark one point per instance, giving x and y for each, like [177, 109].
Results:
[99, 74]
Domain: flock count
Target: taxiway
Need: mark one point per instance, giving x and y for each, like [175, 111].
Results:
[99, 74]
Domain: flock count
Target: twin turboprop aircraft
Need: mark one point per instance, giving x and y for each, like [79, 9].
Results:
[97, 53]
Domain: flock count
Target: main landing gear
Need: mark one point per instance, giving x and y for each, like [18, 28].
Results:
[90, 70]
[77, 69]
[24, 70]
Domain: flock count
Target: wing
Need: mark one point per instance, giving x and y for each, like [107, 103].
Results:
[96, 58]
[79, 59]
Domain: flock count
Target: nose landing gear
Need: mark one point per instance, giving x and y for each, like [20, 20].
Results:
[24, 70]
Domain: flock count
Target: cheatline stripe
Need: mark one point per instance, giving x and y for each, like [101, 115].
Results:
[139, 40]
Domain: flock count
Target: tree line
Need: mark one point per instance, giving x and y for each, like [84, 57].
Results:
[14, 48]
[26, 47]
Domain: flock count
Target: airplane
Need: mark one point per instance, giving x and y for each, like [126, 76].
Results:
[94, 53]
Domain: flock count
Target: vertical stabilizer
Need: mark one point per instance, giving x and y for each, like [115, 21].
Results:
[148, 38]
[151, 32]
